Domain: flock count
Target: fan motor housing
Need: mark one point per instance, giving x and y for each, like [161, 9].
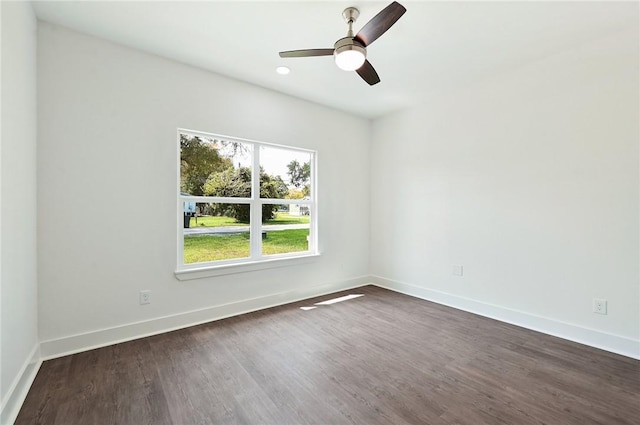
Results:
[349, 43]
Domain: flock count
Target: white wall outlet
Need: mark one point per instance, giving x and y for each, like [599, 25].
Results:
[456, 270]
[599, 306]
[145, 297]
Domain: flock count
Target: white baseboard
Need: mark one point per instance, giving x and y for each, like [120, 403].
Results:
[103, 337]
[605, 341]
[15, 396]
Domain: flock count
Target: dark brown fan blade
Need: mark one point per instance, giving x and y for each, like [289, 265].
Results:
[380, 23]
[306, 53]
[368, 74]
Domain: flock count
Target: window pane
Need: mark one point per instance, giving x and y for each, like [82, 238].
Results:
[214, 232]
[214, 167]
[286, 229]
[284, 173]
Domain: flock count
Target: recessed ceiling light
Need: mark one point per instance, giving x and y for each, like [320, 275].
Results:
[283, 70]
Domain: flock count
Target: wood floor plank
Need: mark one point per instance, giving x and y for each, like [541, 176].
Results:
[381, 358]
[290, 384]
[44, 390]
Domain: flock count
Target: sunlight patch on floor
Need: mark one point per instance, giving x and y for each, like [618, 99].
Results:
[334, 300]
[340, 299]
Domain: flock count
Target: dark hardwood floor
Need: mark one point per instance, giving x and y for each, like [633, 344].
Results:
[383, 358]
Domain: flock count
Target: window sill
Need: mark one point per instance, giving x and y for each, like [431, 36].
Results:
[210, 271]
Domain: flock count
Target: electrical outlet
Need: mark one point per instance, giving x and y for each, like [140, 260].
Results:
[145, 297]
[599, 306]
[456, 270]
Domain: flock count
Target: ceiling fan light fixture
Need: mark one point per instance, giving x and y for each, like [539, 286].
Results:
[350, 52]
[350, 57]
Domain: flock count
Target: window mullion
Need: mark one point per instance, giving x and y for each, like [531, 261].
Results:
[215, 199]
[256, 207]
[313, 223]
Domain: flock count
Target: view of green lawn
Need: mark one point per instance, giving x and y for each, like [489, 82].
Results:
[204, 248]
[199, 249]
[214, 221]
[218, 221]
[286, 218]
[280, 242]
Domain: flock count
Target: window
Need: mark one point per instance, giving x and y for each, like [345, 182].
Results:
[243, 202]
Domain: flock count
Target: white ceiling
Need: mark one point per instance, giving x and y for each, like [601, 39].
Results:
[434, 47]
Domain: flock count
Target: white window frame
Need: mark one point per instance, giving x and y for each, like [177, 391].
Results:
[256, 260]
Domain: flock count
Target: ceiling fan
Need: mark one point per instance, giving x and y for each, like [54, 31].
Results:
[350, 52]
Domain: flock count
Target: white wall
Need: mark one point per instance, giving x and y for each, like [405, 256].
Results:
[107, 119]
[18, 278]
[530, 181]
